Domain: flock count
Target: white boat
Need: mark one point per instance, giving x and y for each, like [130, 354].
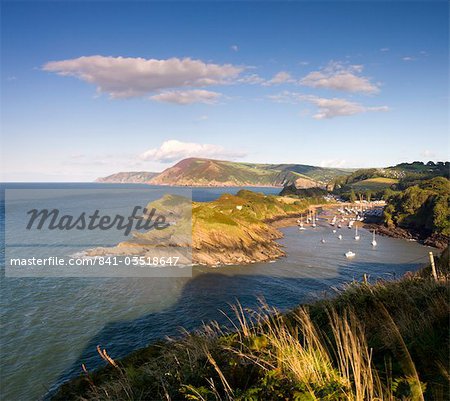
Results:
[350, 254]
[301, 224]
[374, 242]
[340, 236]
[322, 241]
[357, 237]
[334, 231]
[313, 221]
[333, 222]
[339, 226]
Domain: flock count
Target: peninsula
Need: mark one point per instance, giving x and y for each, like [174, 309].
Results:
[233, 229]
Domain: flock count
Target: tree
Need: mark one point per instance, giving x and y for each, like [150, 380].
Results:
[352, 196]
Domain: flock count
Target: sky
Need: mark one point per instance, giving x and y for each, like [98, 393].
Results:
[89, 89]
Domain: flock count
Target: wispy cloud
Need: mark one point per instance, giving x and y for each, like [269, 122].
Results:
[252, 79]
[174, 150]
[187, 97]
[327, 107]
[384, 49]
[122, 77]
[341, 77]
[281, 77]
[335, 107]
[235, 48]
[409, 58]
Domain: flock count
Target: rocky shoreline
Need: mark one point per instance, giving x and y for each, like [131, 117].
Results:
[219, 250]
[435, 240]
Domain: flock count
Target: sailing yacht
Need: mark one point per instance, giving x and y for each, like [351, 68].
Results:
[374, 242]
[357, 237]
[333, 222]
[340, 236]
[349, 254]
[313, 220]
[301, 224]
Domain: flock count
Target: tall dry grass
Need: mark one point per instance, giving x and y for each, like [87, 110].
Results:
[318, 352]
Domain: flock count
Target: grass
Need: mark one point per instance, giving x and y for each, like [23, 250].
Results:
[374, 184]
[381, 341]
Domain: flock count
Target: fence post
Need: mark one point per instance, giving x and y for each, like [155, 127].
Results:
[433, 267]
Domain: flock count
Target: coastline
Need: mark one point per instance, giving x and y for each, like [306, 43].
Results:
[437, 241]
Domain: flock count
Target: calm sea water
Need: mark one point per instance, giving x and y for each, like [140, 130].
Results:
[49, 326]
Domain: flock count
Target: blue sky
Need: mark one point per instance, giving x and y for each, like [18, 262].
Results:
[93, 88]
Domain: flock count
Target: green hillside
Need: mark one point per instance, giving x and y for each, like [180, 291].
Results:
[381, 181]
[207, 172]
[423, 207]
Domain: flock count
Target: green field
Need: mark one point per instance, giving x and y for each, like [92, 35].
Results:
[374, 184]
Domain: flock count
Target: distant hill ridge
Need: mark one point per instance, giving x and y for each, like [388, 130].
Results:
[209, 172]
[131, 177]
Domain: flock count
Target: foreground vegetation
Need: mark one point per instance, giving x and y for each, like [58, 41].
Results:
[381, 341]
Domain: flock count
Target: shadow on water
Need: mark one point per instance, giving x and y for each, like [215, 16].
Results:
[206, 295]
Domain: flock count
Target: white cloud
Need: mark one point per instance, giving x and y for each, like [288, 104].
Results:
[282, 77]
[342, 77]
[408, 58]
[173, 150]
[384, 49]
[303, 63]
[235, 48]
[203, 118]
[187, 97]
[327, 107]
[123, 77]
